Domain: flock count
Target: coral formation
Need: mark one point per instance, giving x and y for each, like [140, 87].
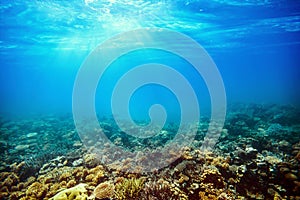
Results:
[160, 190]
[37, 191]
[129, 188]
[104, 190]
[257, 157]
[78, 192]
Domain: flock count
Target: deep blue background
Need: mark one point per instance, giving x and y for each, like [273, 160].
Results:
[255, 45]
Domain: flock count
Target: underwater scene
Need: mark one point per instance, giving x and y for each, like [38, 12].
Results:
[149, 99]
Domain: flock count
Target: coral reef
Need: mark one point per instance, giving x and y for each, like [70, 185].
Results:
[257, 157]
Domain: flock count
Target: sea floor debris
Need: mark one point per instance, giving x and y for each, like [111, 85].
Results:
[257, 157]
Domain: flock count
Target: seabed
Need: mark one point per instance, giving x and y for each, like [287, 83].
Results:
[257, 157]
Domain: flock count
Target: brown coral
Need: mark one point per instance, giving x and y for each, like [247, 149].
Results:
[104, 190]
[36, 190]
[160, 190]
[16, 195]
[212, 176]
[90, 160]
[11, 180]
[65, 176]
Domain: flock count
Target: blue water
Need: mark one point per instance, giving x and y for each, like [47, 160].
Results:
[255, 45]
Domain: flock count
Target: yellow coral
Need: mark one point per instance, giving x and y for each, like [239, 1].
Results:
[36, 190]
[65, 176]
[129, 188]
[16, 195]
[95, 175]
[53, 190]
[78, 192]
[71, 183]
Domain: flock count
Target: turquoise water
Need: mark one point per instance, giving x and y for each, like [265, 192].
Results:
[254, 44]
[215, 121]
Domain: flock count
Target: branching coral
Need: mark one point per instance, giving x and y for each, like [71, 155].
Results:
[212, 176]
[160, 190]
[95, 175]
[36, 191]
[129, 189]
